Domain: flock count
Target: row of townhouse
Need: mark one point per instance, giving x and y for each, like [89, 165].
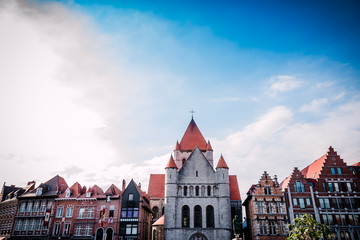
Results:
[55, 211]
[328, 189]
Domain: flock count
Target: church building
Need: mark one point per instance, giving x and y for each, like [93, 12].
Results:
[199, 200]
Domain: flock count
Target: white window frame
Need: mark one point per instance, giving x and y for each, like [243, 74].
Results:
[69, 211]
[60, 211]
[90, 213]
[88, 229]
[78, 229]
[67, 227]
[81, 212]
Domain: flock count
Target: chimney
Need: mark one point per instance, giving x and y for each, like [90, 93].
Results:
[276, 181]
[123, 185]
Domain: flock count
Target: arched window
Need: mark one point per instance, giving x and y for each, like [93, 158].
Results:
[185, 216]
[209, 191]
[183, 161]
[197, 190]
[185, 191]
[99, 234]
[155, 235]
[209, 216]
[109, 234]
[197, 216]
[155, 212]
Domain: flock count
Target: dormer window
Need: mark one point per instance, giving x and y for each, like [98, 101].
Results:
[108, 198]
[88, 194]
[67, 193]
[38, 191]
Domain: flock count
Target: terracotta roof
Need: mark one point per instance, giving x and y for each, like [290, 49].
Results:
[113, 191]
[234, 188]
[156, 187]
[209, 146]
[222, 163]
[192, 138]
[177, 146]
[75, 191]
[356, 164]
[96, 192]
[160, 221]
[171, 163]
[313, 170]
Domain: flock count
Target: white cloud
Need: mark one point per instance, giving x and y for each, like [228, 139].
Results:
[277, 143]
[283, 83]
[315, 105]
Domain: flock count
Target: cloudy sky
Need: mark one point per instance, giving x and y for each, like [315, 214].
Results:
[99, 91]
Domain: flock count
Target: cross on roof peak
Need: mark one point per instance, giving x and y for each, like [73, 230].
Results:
[192, 113]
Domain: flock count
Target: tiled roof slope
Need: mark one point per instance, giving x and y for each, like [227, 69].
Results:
[75, 191]
[53, 187]
[156, 187]
[234, 188]
[356, 164]
[171, 163]
[192, 138]
[160, 221]
[113, 191]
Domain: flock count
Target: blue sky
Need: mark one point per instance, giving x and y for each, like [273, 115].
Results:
[273, 84]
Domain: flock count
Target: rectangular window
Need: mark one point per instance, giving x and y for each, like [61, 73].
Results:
[32, 224]
[322, 204]
[40, 224]
[325, 219]
[302, 203]
[308, 202]
[81, 212]
[18, 225]
[78, 229]
[263, 229]
[128, 229]
[111, 211]
[67, 227]
[123, 212]
[331, 187]
[327, 203]
[260, 207]
[339, 170]
[59, 212]
[341, 203]
[331, 220]
[336, 185]
[350, 219]
[22, 207]
[26, 225]
[343, 219]
[353, 203]
[334, 203]
[90, 212]
[131, 197]
[43, 206]
[295, 202]
[324, 185]
[36, 207]
[333, 171]
[349, 188]
[87, 230]
[69, 212]
[56, 229]
[29, 207]
[278, 207]
[337, 219]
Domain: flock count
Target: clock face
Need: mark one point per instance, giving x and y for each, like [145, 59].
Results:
[333, 159]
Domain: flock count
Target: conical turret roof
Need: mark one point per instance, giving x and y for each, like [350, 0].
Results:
[192, 138]
[222, 163]
[171, 163]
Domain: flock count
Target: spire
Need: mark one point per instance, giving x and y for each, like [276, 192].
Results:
[222, 163]
[177, 146]
[193, 137]
[208, 147]
[171, 163]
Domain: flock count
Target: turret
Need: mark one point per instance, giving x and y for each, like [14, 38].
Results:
[170, 191]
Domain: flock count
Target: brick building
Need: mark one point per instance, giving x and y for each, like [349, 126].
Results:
[36, 211]
[265, 207]
[8, 206]
[334, 188]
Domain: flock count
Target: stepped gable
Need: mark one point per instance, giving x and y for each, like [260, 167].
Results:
[295, 174]
[314, 170]
[234, 188]
[171, 163]
[156, 187]
[222, 163]
[192, 138]
[113, 191]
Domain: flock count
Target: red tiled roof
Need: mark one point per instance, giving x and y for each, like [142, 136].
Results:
[113, 191]
[171, 163]
[234, 188]
[96, 192]
[177, 146]
[222, 163]
[160, 221]
[156, 187]
[356, 164]
[192, 137]
[313, 170]
[209, 146]
[75, 191]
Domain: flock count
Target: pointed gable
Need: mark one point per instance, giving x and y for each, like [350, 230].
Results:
[156, 187]
[192, 138]
[222, 163]
[296, 175]
[75, 191]
[209, 148]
